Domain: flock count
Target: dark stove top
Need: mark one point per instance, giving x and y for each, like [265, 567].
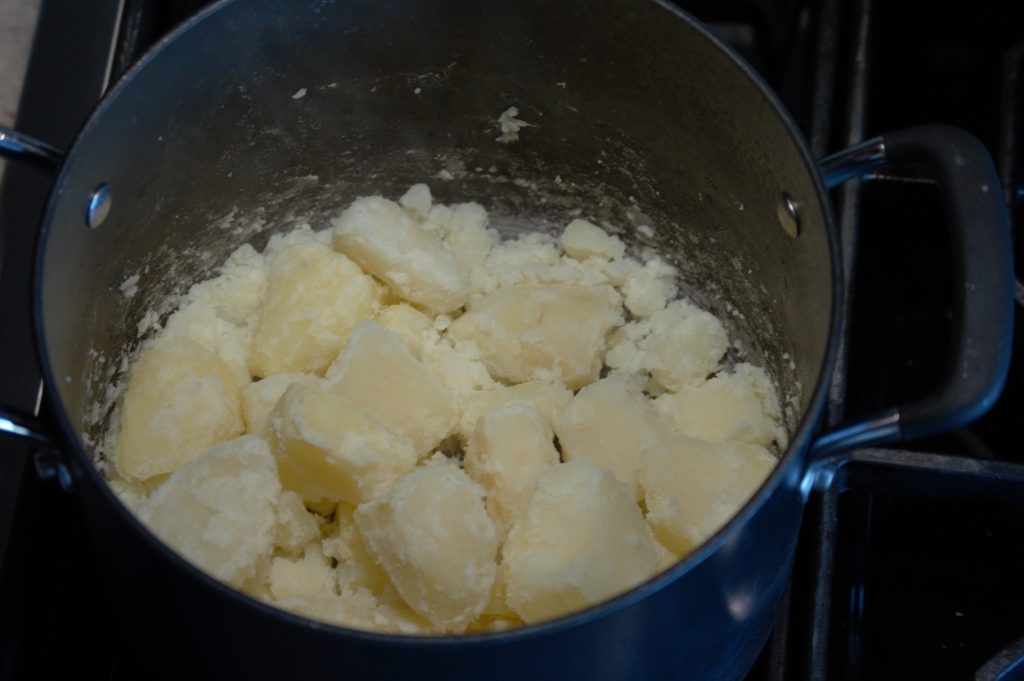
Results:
[908, 565]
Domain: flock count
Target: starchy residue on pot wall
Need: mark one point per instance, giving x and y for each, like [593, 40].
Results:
[406, 424]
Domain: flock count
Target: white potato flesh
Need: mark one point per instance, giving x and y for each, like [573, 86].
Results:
[218, 509]
[582, 239]
[548, 333]
[308, 575]
[181, 400]
[379, 375]
[467, 235]
[315, 297]
[580, 540]
[547, 399]
[693, 487]
[433, 537]
[415, 328]
[296, 527]
[741, 406]
[608, 423]
[417, 201]
[510, 449]
[328, 449]
[259, 397]
[388, 244]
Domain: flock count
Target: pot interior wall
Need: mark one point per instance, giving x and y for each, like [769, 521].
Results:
[635, 118]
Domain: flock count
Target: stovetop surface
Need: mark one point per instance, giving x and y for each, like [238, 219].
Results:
[908, 567]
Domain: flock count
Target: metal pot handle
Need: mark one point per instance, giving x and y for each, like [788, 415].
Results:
[18, 147]
[982, 303]
[15, 146]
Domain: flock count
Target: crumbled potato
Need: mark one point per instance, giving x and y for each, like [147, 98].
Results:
[218, 509]
[580, 540]
[379, 375]
[608, 423]
[417, 201]
[582, 240]
[741, 406]
[388, 244]
[467, 235]
[306, 576]
[547, 399]
[693, 487]
[432, 535]
[511, 447]
[529, 333]
[259, 397]
[296, 527]
[315, 297]
[328, 449]
[415, 328]
[181, 400]
[412, 375]
[679, 346]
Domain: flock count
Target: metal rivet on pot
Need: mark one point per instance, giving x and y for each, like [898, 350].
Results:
[99, 207]
[789, 215]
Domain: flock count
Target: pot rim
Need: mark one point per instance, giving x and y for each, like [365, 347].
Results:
[789, 469]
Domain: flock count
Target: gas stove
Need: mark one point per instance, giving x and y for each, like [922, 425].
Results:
[908, 564]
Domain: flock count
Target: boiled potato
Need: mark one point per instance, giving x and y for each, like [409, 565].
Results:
[328, 449]
[415, 328]
[467, 235]
[308, 575]
[511, 447]
[259, 397]
[377, 373]
[181, 400]
[582, 240]
[547, 399]
[357, 569]
[296, 527]
[388, 244]
[315, 297]
[741, 406]
[693, 487]
[608, 423]
[218, 509]
[580, 539]
[433, 537]
[541, 332]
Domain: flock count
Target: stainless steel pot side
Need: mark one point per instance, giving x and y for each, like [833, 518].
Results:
[637, 116]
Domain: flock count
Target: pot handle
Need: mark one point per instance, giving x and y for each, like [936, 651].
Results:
[982, 303]
[15, 146]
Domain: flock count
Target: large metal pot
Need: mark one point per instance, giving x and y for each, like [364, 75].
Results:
[638, 115]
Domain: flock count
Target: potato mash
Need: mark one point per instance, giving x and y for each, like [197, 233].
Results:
[406, 423]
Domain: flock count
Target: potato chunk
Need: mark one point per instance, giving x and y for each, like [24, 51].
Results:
[308, 575]
[579, 541]
[328, 449]
[582, 240]
[259, 398]
[388, 244]
[379, 375]
[510, 449]
[296, 527]
[741, 406]
[218, 509]
[608, 423]
[181, 400]
[547, 399]
[692, 487]
[679, 346]
[415, 328]
[315, 297]
[467, 235]
[542, 332]
[432, 535]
